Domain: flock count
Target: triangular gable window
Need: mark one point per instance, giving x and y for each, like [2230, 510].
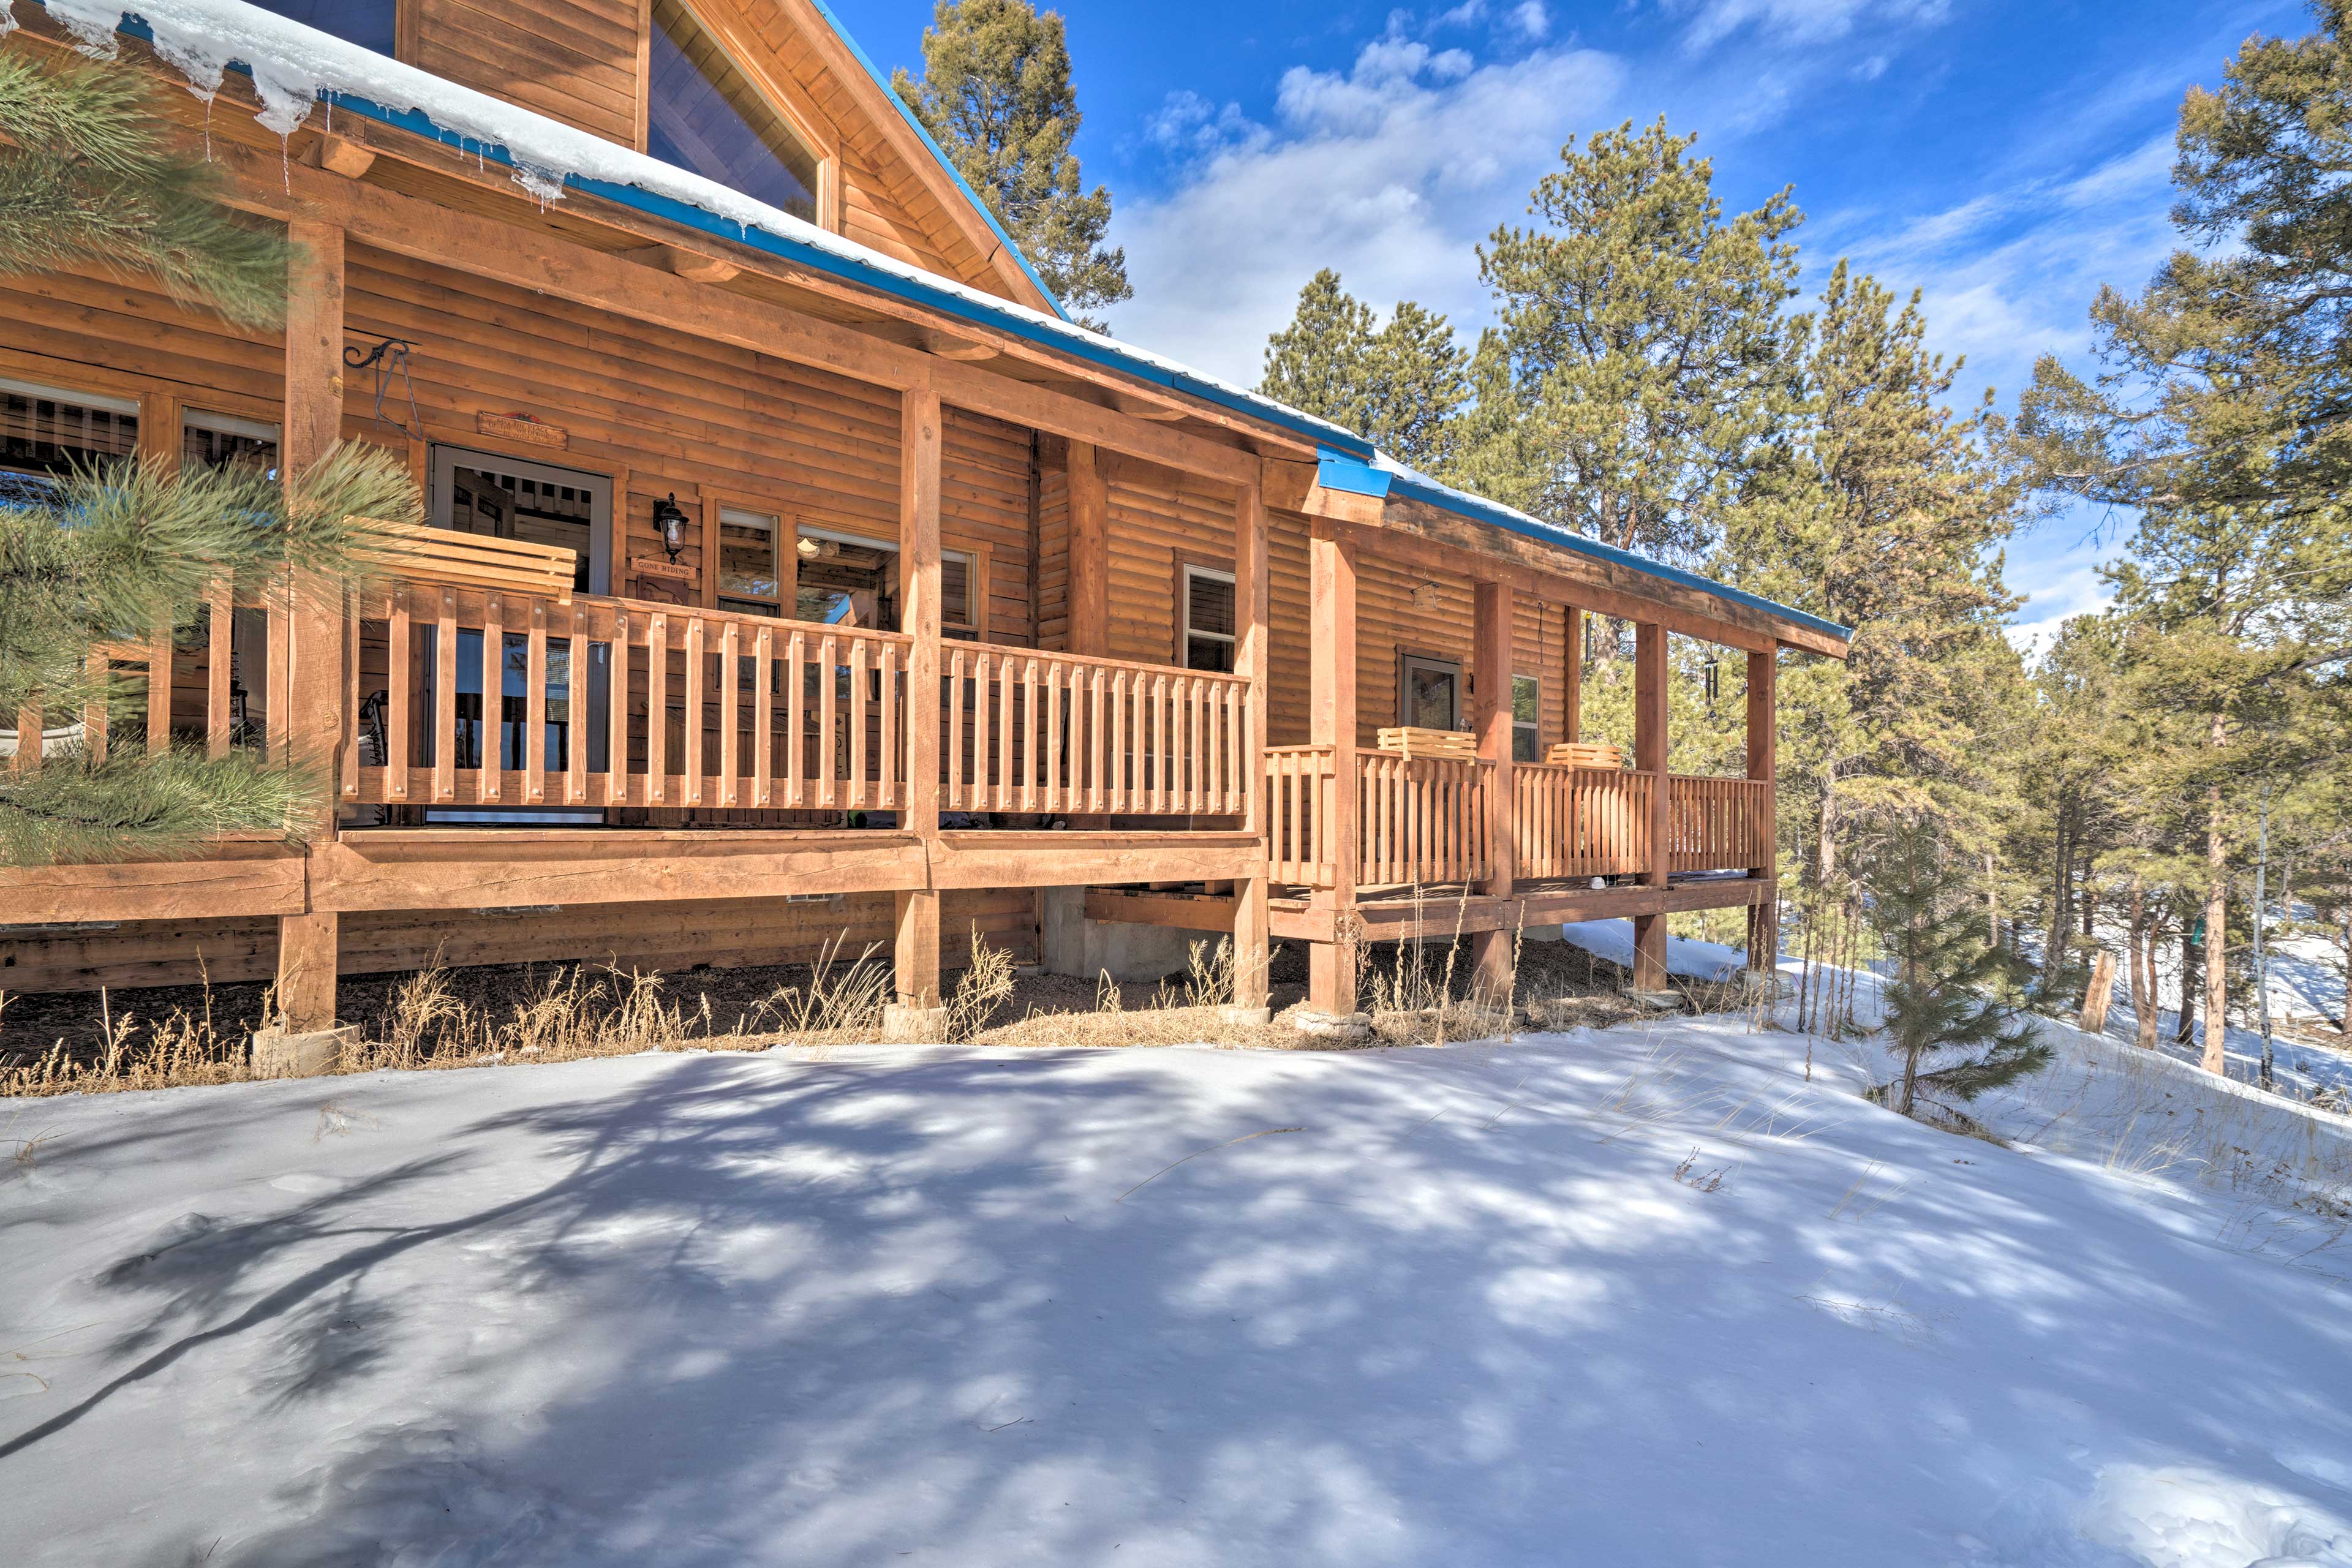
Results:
[704, 116]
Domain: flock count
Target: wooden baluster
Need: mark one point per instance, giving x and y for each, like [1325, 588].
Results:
[534, 705]
[657, 709]
[575, 710]
[891, 741]
[763, 716]
[488, 751]
[159, 691]
[691, 726]
[1028, 742]
[218, 664]
[982, 707]
[857, 722]
[1054, 671]
[398, 673]
[99, 669]
[445, 699]
[828, 795]
[616, 721]
[1156, 799]
[349, 741]
[795, 701]
[955, 798]
[730, 713]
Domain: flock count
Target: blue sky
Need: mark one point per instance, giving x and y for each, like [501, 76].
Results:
[2005, 157]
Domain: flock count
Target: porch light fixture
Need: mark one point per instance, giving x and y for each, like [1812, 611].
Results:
[671, 522]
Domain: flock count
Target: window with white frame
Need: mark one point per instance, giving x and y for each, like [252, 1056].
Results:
[1208, 604]
[209, 440]
[749, 581]
[1527, 719]
[849, 579]
[46, 431]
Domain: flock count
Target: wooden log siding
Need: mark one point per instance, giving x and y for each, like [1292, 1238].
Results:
[1580, 822]
[572, 60]
[1421, 822]
[1029, 731]
[711, 709]
[1718, 823]
[1299, 804]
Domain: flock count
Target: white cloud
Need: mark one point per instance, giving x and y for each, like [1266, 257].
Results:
[1801, 21]
[1531, 20]
[2075, 590]
[1389, 172]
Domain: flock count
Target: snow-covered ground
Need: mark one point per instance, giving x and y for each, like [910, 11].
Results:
[1614, 940]
[1644, 1295]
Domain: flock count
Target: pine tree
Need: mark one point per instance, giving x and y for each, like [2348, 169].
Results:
[1947, 1023]
[1637, 359]
[115, 553]
[996, 95]
[1399, 386]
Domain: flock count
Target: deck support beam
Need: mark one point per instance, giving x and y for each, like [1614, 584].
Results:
[306, 971]
[1251, 913]
[1651, 754]
[1571, 677]
[1763, 739]
[1332, 966]
[918, 1014]
[1490, 677]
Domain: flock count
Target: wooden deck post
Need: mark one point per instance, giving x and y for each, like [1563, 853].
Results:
[1571, 677]
[918, 1014]
[1089, 500]
[1763, 739]
[1251, 915]
[1650, 756]
[1331, 642]
[1490, 634]
[312, 720]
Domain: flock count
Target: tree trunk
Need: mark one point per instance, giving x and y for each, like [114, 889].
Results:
[2187, 1029]
[1826, 849]
[1992, 904]
[2141, 940]
[2054, 944]
[2100, 992]
[2216, 910]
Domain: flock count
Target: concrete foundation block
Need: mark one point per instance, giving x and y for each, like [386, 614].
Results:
[1244, 1018]
[1086, 950]
[276, 1053]
[906, 1026]
[1334, 1028]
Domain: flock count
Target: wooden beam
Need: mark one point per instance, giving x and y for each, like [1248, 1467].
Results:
[1386, 919]
[992, 857]
[306, 971]
[1147, 407]
[340, 156]
[1089, 552]
[686, 263]
[1331, 641]
[1176, 912]
[1571, 677]
[544, 263]
[915, 950]
[232, 879]
[1491, 664]
[919, 426]
[1651, 748]
[312, 624]
[490, 867]
[1763, 764]
[1252, 943]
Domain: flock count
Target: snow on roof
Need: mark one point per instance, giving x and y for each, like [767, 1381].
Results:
[296, 68]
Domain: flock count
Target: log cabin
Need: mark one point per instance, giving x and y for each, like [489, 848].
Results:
[796, 570]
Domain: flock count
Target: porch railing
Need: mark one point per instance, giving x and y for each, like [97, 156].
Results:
[1420, 820]
[479, 698]
[1580, 822]
[1718, 823]
[1298, 806]
[1032, 731]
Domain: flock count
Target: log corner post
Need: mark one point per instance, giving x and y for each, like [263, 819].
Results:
[1490, 676]
[1651, 754]
[1332, 966]
[919, 1014]
[1088, 493]
[1251, 946]
[1763, 766]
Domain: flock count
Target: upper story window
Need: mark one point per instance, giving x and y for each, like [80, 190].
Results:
[370, 24]
[704, 116]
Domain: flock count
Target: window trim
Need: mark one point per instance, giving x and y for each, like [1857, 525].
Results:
[975, 575]
[1535, 725]
[1186, 570]
[783, 568]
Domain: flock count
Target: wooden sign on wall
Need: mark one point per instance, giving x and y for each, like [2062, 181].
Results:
[519, 428]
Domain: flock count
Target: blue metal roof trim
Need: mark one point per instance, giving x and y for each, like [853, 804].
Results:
[1107, 354]
[1336, 471]
[922, 131]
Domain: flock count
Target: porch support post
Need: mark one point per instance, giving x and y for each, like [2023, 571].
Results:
[918, 1014]
[1650, 753]
[1573, 678]
[1089, 495]
[1764, 919]
[311, 623]
[1490, 637]
[1250, 598]
[1331, 640]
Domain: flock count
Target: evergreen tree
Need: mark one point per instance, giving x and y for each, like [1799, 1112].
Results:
[1399, 386]
[1945, 1022]
[1874, 504]
[115, 554]
[1637, 358]
[996, 95]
